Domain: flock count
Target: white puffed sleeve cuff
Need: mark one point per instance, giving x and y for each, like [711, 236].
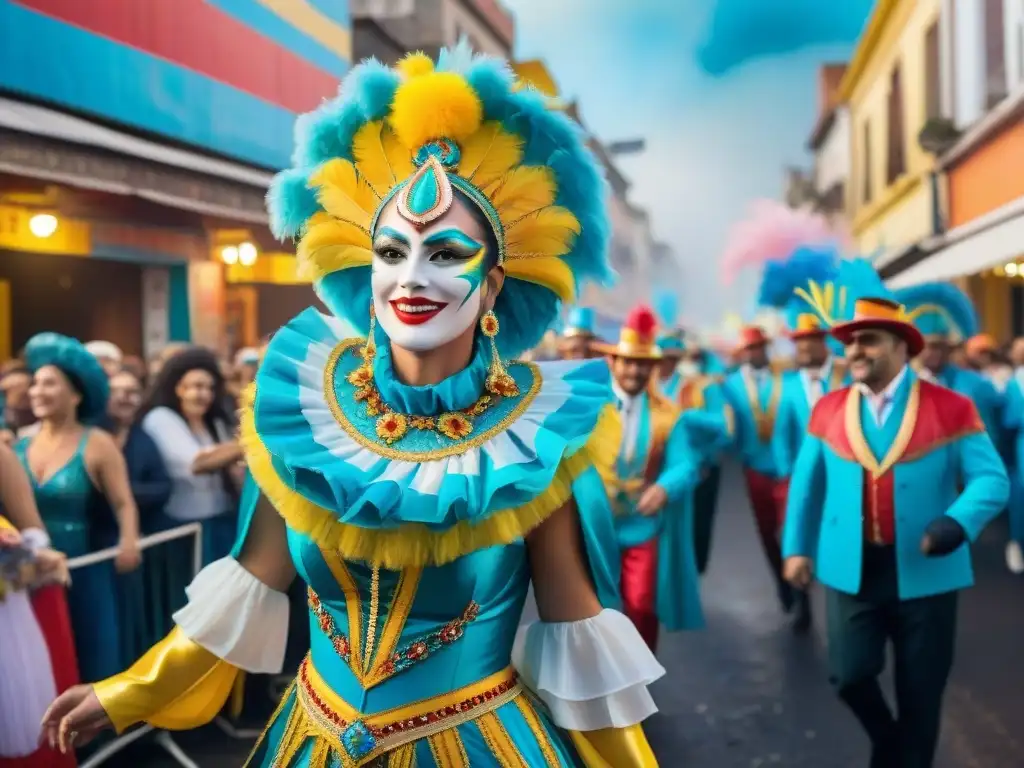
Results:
[236, 617]
[35, 538]
[591, 674]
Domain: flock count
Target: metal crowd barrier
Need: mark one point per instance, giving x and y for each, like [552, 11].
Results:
[161, 738]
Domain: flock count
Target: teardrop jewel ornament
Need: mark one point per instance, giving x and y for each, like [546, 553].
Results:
[427, 195]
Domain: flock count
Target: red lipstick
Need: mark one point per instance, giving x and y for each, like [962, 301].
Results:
[416, 310]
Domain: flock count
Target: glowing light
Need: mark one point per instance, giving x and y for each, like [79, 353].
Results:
[229, 254]
[1012, 269]
[43, 225]
[247, 254]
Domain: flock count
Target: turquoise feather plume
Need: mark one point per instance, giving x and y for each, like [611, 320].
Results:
[939, 309]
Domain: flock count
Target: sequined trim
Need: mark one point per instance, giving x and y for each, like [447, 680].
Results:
[403, 658]
[360, 739]
[380, 446]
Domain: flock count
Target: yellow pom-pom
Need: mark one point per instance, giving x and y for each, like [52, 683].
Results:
[415, 65]
[440, 105]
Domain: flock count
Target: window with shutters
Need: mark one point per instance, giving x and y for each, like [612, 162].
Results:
[895, 164]
[932, 73]
[995, 52]
[866, 170]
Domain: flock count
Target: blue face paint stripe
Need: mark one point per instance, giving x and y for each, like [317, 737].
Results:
[473, 273]
[453, 236]
[394, 234]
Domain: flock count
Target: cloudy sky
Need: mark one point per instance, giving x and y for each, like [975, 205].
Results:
[724, 92]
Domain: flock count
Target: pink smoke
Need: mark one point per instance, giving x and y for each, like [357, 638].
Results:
[771, 233]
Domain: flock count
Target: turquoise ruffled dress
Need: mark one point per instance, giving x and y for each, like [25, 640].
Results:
[410, 659]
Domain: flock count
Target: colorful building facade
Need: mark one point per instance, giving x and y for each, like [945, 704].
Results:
[137, 141]
[888, 87]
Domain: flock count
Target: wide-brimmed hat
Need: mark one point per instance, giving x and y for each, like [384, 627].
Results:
[882, 314]
[671, 345]
[579, 323]
[636, 338]
[807, 325]
[83, 370]
[751, 336]
[979, 343]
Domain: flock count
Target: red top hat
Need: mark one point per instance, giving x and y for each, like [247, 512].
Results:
[751, 336]
[636, 338]
[807, 326]
[983, 342]
[885, 315]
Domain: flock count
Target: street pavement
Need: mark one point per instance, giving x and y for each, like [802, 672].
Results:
[747, 693]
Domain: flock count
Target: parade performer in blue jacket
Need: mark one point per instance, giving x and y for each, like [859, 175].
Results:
[894, 479]
[754, 393]
[578, 335]
[418, 478]
[658, 467]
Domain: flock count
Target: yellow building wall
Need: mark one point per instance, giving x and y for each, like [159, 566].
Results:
[897, 214]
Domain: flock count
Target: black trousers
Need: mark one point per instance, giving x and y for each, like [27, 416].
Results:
[923, 635]
[705, 500]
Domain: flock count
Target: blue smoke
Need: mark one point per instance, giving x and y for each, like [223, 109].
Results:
[746, 30]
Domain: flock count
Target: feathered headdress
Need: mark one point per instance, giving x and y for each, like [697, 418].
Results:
[420, 132]
[833, 300]
[939, 309]
[806, 269]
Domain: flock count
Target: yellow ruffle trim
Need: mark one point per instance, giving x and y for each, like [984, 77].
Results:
[414, 544]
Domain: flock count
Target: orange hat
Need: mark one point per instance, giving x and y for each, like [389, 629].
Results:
[883, 314]
[636, 338]
[807, 325]
[751, 336]
[983, 342]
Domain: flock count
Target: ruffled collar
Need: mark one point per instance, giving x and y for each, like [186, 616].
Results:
[455, 393]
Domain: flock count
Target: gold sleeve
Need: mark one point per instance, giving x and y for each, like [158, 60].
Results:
[614, 748]
[176, 685]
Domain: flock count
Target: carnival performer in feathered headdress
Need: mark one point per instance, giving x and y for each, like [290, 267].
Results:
[784, 284]
[578, 335]
[657, 470]
[416, 478]
[670, 342]
[895, 476]
[947, 318]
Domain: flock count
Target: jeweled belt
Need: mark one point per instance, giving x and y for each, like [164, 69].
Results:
[363, 737]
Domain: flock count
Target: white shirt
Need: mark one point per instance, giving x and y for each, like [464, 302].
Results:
[193, 497]
[629, 412]
[757, 375]
[881, 403]
[814, 380]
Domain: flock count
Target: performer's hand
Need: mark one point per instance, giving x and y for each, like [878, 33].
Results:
[74, 719]
[129, 556]
[798, 571]
[9, 539]
[652, 500]
[7, 437]
[942, 536]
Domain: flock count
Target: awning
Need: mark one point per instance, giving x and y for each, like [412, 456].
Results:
[41, 143]
[997, 238]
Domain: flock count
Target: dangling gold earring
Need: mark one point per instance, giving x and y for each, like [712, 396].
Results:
[370, 348]
[499, 382]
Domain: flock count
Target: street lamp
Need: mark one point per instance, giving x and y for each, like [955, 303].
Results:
[43, 225]
[936, 138]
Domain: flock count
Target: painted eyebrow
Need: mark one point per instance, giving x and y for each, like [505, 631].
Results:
[456, 236]
[393, 234]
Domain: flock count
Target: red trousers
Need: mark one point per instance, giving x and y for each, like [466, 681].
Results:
[639, 587]
[767, 498]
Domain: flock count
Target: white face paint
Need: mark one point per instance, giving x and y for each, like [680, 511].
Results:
[428, 284]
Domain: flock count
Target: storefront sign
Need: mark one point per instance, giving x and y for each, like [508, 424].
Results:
[69, 238]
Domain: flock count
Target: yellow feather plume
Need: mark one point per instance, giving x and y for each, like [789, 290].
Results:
[329, 246]
[522, 191]
[550, 231]
[415, 64]
[434, 106]
[380, 157]
[489, 154]
[547, 271]
[344, 194]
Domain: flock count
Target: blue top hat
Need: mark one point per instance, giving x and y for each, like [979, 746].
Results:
[580, 322]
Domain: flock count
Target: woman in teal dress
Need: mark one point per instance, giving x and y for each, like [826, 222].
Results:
[413, 477]
[68, 461]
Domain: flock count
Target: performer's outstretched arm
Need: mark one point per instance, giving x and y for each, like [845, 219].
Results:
[236, 618]
[573, 657]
